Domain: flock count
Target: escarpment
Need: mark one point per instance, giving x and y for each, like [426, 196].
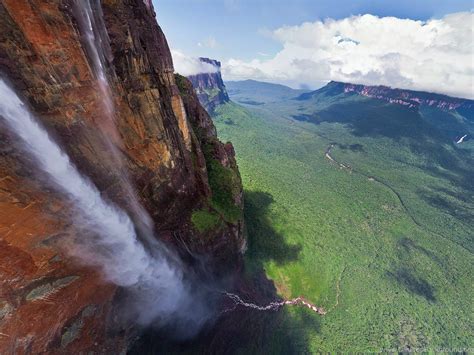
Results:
[408, 98]
[152, 145]
[210, 88]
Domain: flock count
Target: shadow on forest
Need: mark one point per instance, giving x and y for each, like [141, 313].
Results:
[438, 200]
[264, 243]
[413, 283]
[405, 275]
[245, 331]
[254, 332]
[408, 246]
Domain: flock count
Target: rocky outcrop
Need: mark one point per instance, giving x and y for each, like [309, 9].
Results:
[184, 177]
[408, 98]
[225, 204]
[210, 88]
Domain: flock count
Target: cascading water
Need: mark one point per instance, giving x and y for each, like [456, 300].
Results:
[89, 17]
[106, 219]
[96, 43]
[156, 280]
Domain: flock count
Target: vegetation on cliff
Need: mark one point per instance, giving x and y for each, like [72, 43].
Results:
[225, 185]
[225, 202]
[205, 221]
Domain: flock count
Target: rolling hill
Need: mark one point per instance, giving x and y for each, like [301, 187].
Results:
[255, 93]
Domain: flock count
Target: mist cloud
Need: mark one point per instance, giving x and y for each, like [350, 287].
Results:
[435, 55]
[186, 66]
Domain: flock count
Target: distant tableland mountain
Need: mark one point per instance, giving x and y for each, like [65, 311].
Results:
[403, 97]
[210, 87]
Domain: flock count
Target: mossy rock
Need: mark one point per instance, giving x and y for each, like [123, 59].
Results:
[205, 221]
[225, 185]
[181, 83]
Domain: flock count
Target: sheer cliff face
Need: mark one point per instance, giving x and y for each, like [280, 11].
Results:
[210, 88]
[162, 141]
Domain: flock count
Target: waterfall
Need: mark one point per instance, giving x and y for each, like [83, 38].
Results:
[155, 280]
[114, 227]
[157, 290]
[95, 40]
[88, 15]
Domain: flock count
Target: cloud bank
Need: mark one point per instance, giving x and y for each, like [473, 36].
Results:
[190, 66]
[435, 55]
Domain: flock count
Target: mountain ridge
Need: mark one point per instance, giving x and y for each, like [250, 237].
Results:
[262, 92]
[409, 98]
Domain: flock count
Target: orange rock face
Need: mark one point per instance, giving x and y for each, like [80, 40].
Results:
[42, 293]
[49, 302]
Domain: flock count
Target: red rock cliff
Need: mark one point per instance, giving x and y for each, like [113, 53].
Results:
[184, 177]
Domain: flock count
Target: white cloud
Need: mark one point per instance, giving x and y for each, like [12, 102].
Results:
[435, 55]
[186, 66]
[209, 42]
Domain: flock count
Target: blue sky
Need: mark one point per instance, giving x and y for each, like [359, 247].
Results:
[239, 26]
[413, 44]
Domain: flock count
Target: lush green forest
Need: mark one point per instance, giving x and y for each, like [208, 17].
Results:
[364, 208]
